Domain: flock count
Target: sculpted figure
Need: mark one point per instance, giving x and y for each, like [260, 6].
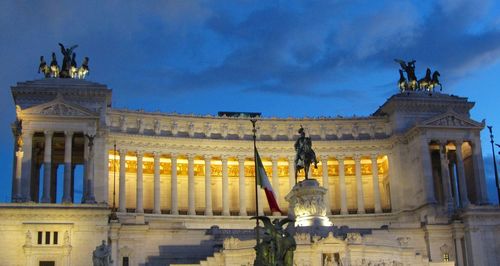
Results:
[305, 155]
[54, 67]
[435, 81]
[73, 72]
[102, 255]
[277, 245]
[425, 83]
[66, 66]
[43, 67]
[83, 70]
[410, 72]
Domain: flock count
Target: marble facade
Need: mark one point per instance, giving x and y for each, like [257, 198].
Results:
[403, 186]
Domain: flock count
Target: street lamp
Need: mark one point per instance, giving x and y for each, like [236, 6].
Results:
[490, 128]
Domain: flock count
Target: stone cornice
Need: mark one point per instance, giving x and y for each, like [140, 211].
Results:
[424, 102]
[280, 129]
[217, 147]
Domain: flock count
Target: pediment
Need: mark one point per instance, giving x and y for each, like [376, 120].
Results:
[59, 108]
[452, 120]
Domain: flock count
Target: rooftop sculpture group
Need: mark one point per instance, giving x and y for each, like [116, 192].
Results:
[428, 83]
[69, 67]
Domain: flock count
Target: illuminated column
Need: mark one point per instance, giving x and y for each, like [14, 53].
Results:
[276, 182]
[17, 186]
[157, 190]
[47, 166]
[445, 175]
[464, 200]
[376, 189]
[122, 195]
[291, 171]
[25, 189]
[225, 187]
[359, 184]
[191, 205]
[326, 198]
[243, 203]
[68, 141]
[208, 186]
[139, 187]
[173, 179]
[343, 193]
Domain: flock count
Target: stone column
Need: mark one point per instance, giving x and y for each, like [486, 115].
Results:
[445, 176]
[225, 186]
[89, 195]
[191, 203]
[326, 184]
[426, 166]
[139, 187]
[26, 166]
[243, 203]
[359, 184]
[480, 178]
[343, 192]
[85, 168]
[47, 166]
[464, 199]
[376, 188]
[173, 179]
[157, 198]
[68, 146]
[122, 196]
[291, 171]
[17, 197]
[276, 182]
[208, 186]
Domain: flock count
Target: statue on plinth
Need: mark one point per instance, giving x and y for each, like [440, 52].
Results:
[426, 84]
[305, 155]
[277, 245]
[102, 255]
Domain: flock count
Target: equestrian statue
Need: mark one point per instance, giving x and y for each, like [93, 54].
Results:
[305, 155]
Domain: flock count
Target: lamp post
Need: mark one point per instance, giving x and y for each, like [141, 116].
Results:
[490, 128]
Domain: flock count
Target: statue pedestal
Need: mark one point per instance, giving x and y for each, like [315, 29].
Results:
[306, 204]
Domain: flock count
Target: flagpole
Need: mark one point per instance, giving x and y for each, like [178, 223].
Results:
[254, 130]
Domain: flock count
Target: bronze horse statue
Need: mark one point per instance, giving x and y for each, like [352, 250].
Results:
[306, 157]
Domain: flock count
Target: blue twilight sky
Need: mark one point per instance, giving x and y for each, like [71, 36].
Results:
[281, 58]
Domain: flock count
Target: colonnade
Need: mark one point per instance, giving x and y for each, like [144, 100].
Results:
[459, 182]
[243, 198]
[25, 170]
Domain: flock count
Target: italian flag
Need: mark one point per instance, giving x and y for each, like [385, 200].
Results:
[263, 182]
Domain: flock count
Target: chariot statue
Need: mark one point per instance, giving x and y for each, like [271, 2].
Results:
[69, 67]
[305, 155]
[427, 84]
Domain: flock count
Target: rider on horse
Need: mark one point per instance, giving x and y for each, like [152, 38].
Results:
[305, 155]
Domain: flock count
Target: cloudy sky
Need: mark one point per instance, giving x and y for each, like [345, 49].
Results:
[281, 58]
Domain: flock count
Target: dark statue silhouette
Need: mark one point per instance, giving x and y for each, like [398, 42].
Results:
[427, 84]
[69, 67]
[305, 155]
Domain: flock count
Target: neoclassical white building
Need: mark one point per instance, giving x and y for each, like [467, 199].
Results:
[404, 186]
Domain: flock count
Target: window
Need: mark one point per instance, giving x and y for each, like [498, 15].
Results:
[45, 237]
[125, 261]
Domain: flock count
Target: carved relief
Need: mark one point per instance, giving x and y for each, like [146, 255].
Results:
[61, 110]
